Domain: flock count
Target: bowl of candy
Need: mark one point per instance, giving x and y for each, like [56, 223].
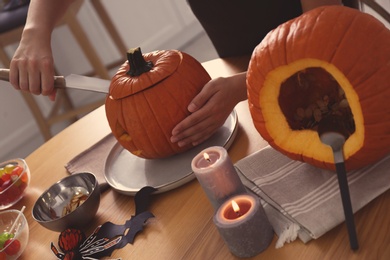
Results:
[14, 179]
[71, 202]
[13, 234]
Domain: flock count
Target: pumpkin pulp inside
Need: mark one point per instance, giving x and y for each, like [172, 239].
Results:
[289, 93]
[312, 95]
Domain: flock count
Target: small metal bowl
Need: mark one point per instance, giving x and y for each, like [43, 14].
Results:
[49, 208]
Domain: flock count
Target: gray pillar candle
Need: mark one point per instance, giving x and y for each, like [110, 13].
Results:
[244, 226]
[217, 175]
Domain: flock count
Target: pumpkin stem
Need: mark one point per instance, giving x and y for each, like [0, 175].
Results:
[137, 63]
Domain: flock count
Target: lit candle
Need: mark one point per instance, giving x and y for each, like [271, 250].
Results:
[244, 226]
[217, 175]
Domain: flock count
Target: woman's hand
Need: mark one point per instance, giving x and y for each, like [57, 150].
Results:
[32, 67]
[209, 109]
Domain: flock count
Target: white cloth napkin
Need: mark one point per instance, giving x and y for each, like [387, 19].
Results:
[304, 201]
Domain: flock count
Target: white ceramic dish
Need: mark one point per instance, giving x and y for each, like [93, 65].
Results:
[127, 173]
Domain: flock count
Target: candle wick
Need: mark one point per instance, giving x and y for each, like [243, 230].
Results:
[238, 213]
[208, 159]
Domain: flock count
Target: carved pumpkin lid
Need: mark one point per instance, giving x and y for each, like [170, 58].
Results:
[152, 68]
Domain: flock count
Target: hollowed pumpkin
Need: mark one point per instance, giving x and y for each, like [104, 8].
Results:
[148, 96]
[331, 61]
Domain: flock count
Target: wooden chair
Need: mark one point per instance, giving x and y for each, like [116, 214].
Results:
[377, 8]
[112, 31]
[63, 109]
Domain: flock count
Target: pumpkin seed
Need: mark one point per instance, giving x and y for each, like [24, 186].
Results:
[315, 95]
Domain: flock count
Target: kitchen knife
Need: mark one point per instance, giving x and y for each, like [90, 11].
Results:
[72, 81]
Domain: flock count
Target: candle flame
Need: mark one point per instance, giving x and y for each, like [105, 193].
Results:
[235, 206]
[206, 157]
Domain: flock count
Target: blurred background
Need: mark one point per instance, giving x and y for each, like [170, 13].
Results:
[151, 25]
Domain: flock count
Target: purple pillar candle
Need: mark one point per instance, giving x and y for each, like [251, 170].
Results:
[217, 175]
[243, 225]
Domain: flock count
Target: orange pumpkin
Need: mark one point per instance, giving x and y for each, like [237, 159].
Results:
[148, 96]
[331, 61]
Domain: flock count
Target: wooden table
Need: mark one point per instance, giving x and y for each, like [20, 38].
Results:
[183, 226]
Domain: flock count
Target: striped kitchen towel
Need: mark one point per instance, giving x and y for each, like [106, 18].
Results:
[302, 200]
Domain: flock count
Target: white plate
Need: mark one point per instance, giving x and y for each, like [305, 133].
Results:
[127, 173]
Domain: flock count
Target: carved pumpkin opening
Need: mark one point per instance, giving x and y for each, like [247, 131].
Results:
[310, 96]
[122, 134]
[280, 104]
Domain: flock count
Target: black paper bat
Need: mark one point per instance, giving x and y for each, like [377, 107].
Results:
[107, 237]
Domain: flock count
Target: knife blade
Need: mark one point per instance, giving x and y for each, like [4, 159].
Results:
[72, 81]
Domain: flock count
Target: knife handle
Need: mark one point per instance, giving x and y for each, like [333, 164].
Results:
[4, 74]
[59, 81]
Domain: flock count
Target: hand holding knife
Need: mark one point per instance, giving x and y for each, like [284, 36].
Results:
[72, 81]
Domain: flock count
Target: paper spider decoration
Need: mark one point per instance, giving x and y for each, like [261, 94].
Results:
[107, 237]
